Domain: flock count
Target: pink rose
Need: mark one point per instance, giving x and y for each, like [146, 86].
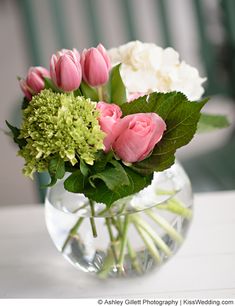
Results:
[137, 136]
[110, 114]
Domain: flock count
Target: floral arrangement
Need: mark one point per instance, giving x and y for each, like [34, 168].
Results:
[109, 119]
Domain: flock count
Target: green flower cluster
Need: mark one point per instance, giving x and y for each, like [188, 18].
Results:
[59, 123]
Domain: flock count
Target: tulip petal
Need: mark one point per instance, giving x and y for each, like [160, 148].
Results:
[26, 90]
[104, 53]
[70, 74]
[35, 82]
[94, 67]
[53, 62]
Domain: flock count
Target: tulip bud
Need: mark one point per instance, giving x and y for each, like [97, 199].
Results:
[34, 82]
[95, 65]
[66, 70]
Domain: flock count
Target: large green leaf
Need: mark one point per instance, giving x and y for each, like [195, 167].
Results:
[210, 122]
[181, 117]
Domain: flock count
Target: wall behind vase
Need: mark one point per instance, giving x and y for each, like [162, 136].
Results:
[31, 30]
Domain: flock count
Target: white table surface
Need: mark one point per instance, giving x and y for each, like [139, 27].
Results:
[31, 267]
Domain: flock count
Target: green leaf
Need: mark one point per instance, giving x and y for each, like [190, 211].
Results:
[116, 87]
[69, 167]
[84, 168]
[110, 185]
[50, 85]
[57, 167]
[102, 194]
[181, 117]
[89, 92]
[77, 92]
[75, 182]
[113, 177]
[25, 103]
[101, 161]
[16, 133]
[209, 122]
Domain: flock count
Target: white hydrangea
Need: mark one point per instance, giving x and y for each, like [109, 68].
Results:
[147, 68]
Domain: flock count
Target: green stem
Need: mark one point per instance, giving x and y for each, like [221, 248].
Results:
[118, 224]
[123, 243]
[102, 212]
[92, 220]
[165, 192]
[148, 229]
[81, 207]
[165, 225]
[148, 242]
[134, 260]
[107, 265]
[72, 232]
[175, 206]
[100, 93]
[113, 242]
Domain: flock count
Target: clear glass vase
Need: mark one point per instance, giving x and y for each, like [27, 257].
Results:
[138, 233]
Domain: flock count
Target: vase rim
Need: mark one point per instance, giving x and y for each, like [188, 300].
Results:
[164, 186]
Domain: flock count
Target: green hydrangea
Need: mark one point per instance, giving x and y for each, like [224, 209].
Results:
[59, 123]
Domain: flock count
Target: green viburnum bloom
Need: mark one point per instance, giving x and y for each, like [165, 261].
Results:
[59, 123]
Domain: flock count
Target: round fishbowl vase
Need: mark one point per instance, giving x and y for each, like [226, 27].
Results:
[135, 235]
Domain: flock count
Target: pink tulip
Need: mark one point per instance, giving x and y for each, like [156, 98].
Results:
[34, 82]
[138, 135]
[95, 66]
[66, 70]
[110, 115]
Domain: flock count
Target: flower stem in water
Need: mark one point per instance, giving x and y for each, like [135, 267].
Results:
[155, 237]
[148, 241]
[123, 244]
[111, 239]
[176, 207]
[72, 232]
[134, 260]
[92, 220]
[165, 225]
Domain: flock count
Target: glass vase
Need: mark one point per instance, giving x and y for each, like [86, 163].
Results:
[137, 234]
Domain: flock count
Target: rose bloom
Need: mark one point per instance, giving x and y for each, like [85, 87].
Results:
[137, 136]
[110, 115]
[147, 68]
